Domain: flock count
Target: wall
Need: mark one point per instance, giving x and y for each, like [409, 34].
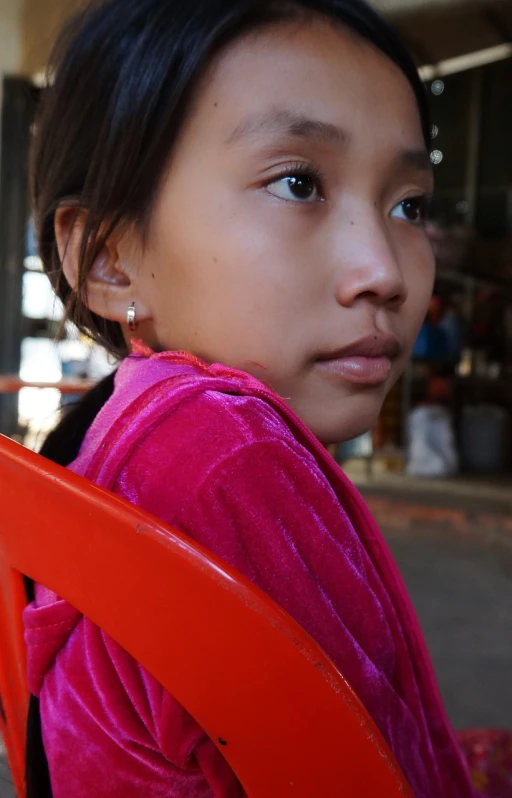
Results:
[10, 36]
[10, 41]
[41, 20]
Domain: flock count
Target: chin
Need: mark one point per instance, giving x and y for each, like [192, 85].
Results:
[357, 417]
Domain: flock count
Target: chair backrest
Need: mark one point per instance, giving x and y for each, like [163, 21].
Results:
[302, 731]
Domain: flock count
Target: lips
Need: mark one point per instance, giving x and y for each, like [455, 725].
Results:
[367, 361]
[375, 345]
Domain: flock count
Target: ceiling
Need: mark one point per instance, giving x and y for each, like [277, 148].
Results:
[413, 6]
[436, 30]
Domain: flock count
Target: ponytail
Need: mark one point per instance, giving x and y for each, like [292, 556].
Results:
[61, 446]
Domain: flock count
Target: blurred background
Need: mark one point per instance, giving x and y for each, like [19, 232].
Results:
[450, 414]
[437, 469]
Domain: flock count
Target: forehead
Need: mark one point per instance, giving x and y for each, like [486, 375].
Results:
[319, 70]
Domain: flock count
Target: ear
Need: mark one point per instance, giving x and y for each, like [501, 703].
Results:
[111, 282]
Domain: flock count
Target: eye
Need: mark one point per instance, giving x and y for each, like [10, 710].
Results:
[296, 186]
[412, 209]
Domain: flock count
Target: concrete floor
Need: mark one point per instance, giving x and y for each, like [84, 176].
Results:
[6, 788]
[462, 590]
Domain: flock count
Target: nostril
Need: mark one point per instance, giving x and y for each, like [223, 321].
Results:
[397, 301]
[372, 295]
[393, 300]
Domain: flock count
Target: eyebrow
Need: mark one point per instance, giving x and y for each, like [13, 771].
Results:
[419, 160]
[288, 123]
[284, 122]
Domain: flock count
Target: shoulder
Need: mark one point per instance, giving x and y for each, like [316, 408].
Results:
[205, 439]
[168, 411]
[222, 422]
[193, 433]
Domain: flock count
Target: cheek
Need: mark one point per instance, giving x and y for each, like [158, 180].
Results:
[420, 276]
[257, 263]
[232, 296]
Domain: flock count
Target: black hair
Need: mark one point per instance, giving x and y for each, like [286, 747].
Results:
[120, 82]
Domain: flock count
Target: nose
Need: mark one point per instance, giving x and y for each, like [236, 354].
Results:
[368, 266]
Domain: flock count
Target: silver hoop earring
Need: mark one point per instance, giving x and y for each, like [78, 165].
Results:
[131, 318]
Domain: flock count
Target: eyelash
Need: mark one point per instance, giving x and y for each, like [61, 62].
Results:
[312, 171]
[302, 169]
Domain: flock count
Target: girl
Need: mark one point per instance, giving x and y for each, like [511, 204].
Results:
[231, 195]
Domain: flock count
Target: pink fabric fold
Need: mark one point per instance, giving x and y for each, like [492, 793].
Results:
[218, 454]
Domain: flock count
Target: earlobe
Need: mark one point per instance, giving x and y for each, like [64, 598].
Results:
[109, 287]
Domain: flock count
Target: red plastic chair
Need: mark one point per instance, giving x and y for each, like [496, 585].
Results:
[283, 716]
[10, 383]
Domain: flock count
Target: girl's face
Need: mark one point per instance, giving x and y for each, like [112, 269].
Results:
[288, 237]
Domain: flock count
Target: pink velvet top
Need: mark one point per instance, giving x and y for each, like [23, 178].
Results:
[216, 453]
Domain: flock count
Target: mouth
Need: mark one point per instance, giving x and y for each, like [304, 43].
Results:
[367, 362]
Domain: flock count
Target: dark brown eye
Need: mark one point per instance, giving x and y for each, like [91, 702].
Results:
[296, 187]
[301, 186]
[413, 209]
